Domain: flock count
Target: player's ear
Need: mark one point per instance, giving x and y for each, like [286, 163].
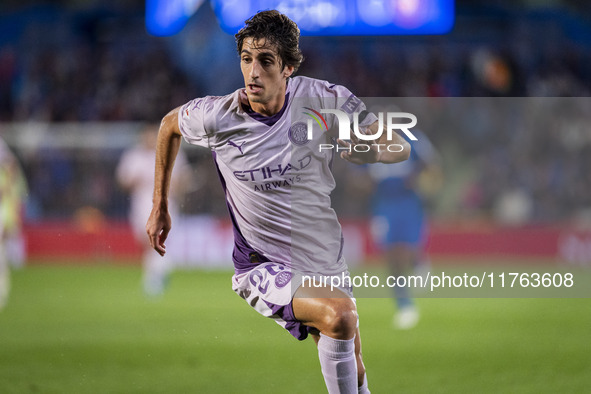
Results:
[287, 71]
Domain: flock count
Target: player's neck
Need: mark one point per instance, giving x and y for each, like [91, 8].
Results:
[272, 106]
[269, 108]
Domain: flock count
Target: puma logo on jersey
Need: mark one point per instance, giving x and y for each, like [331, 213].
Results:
[232, 143]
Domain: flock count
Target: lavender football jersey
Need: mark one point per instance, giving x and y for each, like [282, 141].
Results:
[276, 179]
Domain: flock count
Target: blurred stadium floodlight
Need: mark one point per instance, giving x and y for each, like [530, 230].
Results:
[314, 17]
[168, 17]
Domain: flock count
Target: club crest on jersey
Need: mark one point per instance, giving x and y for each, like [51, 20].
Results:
[298, 133]
[282, 279]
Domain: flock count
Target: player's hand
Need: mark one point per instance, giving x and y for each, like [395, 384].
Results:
[158, 227]
[362, 155]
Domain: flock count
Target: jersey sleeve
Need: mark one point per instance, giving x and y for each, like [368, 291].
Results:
[193, 121]
[348, 103]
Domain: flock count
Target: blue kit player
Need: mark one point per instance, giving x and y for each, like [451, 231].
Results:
[277, 185]
[399, 223]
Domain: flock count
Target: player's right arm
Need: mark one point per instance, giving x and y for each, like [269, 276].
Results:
[167, 147]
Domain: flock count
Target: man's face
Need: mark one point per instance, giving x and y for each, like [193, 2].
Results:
[264, 76]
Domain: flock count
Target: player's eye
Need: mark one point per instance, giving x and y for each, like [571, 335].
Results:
[246, 59]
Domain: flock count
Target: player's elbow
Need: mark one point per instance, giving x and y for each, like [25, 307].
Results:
[170, 123]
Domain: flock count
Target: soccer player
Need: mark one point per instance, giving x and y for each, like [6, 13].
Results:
[132, 176]
[399, 223]
[277, 185]
[10, 209]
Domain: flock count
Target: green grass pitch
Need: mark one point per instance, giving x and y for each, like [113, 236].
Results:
[89, 329]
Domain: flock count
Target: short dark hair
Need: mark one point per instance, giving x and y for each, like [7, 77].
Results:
[277, 29]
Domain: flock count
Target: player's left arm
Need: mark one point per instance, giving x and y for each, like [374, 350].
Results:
[381, 150]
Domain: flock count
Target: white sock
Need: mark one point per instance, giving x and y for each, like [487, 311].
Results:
[363, 389]
[338, 364]
[156, 271]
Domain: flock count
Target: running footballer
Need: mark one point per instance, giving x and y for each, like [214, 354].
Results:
[277, 187]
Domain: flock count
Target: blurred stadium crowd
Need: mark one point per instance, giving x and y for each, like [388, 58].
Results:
[86, 64]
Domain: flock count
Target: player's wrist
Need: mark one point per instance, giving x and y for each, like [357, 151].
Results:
[160, 202]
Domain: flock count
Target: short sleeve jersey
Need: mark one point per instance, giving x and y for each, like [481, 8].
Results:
[277, 181]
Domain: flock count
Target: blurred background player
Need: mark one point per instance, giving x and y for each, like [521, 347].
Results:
[13, 211]
[135, 174]
[399, 224]
[12, 194]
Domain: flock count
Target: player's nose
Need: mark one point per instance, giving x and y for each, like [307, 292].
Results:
[254, 70]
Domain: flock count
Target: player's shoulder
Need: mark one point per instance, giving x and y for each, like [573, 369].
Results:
[209, 104]
[209, 111]
[302, 85]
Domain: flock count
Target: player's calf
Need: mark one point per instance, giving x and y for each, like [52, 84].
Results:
[334, 315]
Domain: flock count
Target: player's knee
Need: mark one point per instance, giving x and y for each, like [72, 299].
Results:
[340, 320]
